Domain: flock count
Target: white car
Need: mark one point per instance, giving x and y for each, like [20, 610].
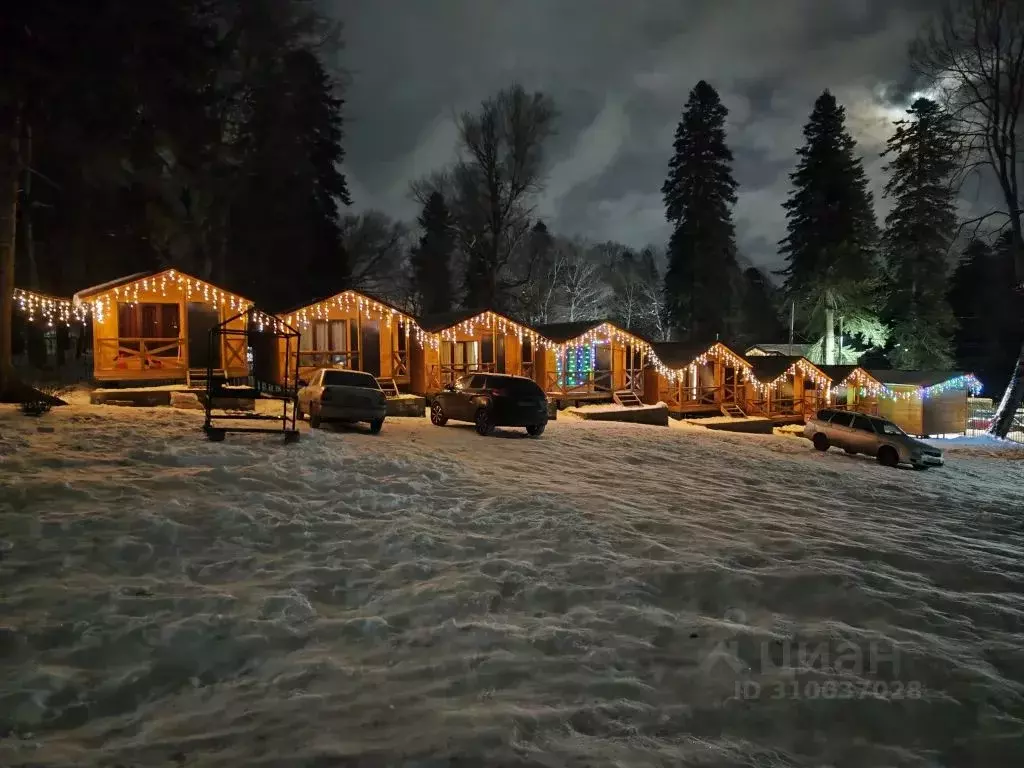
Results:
[336, 394]
[860, 433]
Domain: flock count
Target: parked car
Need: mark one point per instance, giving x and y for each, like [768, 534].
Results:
[870, 435]
[334, 394]
[492, 400]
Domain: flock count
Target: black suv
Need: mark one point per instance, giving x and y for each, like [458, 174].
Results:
[492, 400]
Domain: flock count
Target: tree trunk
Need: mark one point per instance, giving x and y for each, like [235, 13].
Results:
[1012, 398]
[10, 167]
[830, 336]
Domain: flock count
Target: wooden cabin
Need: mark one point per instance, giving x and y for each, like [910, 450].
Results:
[780, 386]
[154, 328]
[694, 378]
[355, 331]
[926, 403]
[456, 343]
[589, 360]
[853, 388]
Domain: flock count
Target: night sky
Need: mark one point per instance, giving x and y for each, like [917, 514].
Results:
[620, 72]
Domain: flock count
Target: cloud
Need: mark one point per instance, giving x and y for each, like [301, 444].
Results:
[620, 74]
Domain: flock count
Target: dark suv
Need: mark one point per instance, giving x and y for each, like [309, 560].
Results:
[492, 400]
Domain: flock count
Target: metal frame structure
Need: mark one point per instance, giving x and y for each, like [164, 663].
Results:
[286, 391]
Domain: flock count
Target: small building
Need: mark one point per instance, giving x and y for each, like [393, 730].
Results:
[926, 403]
[356, 331]
[853, 388]
[589, 360]
[695, 378]
[780, 386]
[155, 327]
[456, 343]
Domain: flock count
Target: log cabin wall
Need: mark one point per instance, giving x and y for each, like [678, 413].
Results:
[904, 411]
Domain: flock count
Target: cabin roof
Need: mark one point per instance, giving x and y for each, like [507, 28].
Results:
[915, 378]
[801, 350]
[679, 354]
[364, 294]
[88, 293]
[559, 333]
[839, 373]
[769, 367]
[96, 290]
[440, 321]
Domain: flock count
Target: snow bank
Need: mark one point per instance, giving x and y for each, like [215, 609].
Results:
[979, 445]
[608, 594]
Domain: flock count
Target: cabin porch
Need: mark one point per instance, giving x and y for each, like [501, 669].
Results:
[590, 362]
[354, 331]
[156, 328]
[782, 387]
[462, 343]
[696, 379]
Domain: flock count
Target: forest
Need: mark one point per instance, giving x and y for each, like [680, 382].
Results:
[208, 135]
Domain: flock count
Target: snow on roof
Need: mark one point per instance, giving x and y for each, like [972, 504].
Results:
[915, 378]
[86, 293]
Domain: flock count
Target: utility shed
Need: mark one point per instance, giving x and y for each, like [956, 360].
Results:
[926, 402]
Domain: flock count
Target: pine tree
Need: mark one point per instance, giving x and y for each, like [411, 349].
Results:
[290, 184]
[699, 193]
[832, 237]
[918, 235]
[432, 258]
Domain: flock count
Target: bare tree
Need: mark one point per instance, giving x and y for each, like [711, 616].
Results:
[973, 55]
[490, 190]
[377, 248]
[579, 291]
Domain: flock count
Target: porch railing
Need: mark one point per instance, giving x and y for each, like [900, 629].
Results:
[593, 382]
[440, 375]
[142, 354]
[400, 364]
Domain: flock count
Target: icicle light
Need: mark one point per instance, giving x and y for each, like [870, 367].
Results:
[48, 310]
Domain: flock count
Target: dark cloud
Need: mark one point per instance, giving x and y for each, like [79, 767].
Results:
[620, 73]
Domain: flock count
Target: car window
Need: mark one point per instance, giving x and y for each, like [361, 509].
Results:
[463, 382]
[842, 419]
[349, 379]
[515, 385]
[888, 428]
[477, 382]
[825, 414]
[863, 423]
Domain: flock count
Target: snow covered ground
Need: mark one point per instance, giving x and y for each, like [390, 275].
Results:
[609, 594]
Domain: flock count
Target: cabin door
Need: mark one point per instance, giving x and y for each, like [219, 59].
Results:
[201, 318]
[369, 354]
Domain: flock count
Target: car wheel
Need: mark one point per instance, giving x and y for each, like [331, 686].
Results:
[437, 417]
[535, 430]
[820, 442]
[314, 418]
[887, 456]
[484, 423]
[375, 426]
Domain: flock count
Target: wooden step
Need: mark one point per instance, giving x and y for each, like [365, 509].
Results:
[626, 397]
[732, 410]
[198, 375]
[388, 385]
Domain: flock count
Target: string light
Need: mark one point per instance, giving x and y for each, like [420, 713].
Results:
[352, 302]
[966, 381]
[49, 309]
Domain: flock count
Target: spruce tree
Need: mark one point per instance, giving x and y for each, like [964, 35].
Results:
[699, 194]
[918, 235]
[290, 184]
[432, 258]
[832, 237]
[760, 310]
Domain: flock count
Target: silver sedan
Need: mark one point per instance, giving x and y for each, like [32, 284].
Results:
[334, 394]
[870, 435]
